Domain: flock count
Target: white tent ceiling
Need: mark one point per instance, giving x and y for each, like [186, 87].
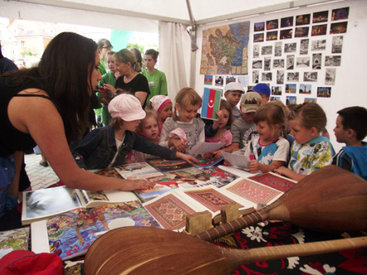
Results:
[203, 11]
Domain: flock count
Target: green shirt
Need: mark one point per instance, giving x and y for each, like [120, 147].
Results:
[107, 78]
[157, 83]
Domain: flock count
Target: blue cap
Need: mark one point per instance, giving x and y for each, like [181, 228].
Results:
[262, 88]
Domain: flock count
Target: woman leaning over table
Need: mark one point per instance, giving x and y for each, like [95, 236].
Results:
[48, 106]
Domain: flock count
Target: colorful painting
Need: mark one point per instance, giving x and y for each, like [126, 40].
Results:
[16, 239]
[274, 181]
[253, 191]
[210, 198]
[211, 103]
[72, 233]
[111, 172]
[169, 165]
[224, 49]
[170, 212]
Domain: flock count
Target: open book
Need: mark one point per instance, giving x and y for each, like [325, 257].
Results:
[70, 234]
[43, 203]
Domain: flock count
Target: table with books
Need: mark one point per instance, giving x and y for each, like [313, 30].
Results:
[67, 221]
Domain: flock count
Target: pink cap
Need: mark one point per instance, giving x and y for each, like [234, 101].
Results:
[158, 102]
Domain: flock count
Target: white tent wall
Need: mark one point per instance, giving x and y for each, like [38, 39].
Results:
[46, 13]
[350, 84]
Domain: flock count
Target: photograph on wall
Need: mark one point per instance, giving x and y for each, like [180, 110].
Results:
[303, 48]
[305, 89]
[337, 44]
[219, 80]
[323, 91]
[316, 61]
[310, 99]
[340, 14]
[286, 22]
[276, 90]
[275, 98]
[259, 37]
[278, 49]
[301, 32]
[303, 19]
[230, 79]
[293, 76]
[224, 49]
[290, 99]
[278, 63]
[330, 76]
[319, 30]
[303, 62]
[320, 17]
[255, 76]
[273, 35]
[318, 45]
[280, 77]
[243, 79]
[208, 79]
[290, 62]
[290, 88]
[257, 64]
[266, 77]
[338, 27]
[333, 60]
[272, 24]
[259, 26]
[310, 76]
[266, 50]
[256, 51]
[290, 47]
[267, 63]
[286, 34]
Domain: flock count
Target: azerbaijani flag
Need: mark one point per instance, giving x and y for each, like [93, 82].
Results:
[208, 79]
[211, 103]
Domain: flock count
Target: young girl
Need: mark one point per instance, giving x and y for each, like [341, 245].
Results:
[162, 105]
[267, 149]
[222, 125]
[109, 146]
[310, 151]
[187, 103]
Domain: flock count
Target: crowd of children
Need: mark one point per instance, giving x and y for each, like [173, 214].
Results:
[289, 141]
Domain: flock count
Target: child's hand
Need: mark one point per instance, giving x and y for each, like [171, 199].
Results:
[217, 154]
[188, 158]
[253, 166]
[135, 184]
[227, 163]
[207, 155]
[281, 170]
[216, 123]
[178, 143]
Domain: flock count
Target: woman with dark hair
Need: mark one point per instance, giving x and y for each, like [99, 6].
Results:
[48, 105]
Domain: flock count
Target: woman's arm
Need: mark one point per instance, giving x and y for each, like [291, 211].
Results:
[40, 118]
[142, 96]
[14, 186]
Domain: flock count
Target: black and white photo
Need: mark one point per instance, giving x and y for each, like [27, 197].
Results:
[332, 60]
[310, 76]
[330, 76]
[290, 62]
[316, 61]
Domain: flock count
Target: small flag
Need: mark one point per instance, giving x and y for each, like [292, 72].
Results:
[208, 79]
[211, 103]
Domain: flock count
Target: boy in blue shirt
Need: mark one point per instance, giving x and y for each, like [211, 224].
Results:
[351, 129]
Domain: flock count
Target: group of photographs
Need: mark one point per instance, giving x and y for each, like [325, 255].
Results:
[305, 66]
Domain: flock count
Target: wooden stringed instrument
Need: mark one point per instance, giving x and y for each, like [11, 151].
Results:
[145, 250]
[330, 199]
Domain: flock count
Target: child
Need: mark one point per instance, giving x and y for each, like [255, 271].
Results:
[156, 78]
[310, 151]
[267, 149]
[351, 129]
[242, 127]
[109, 146]
[263, 90]
[162, 105]
[233, 93]
[222, 125]
[187, 103]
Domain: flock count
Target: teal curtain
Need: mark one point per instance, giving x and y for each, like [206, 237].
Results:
[120, 39]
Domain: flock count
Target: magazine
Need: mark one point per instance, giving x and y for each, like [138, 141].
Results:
[43, 203]
[70, 234]
[16, 239]
[138, 170]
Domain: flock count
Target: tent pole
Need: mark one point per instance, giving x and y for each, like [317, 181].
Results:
[192, 31]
